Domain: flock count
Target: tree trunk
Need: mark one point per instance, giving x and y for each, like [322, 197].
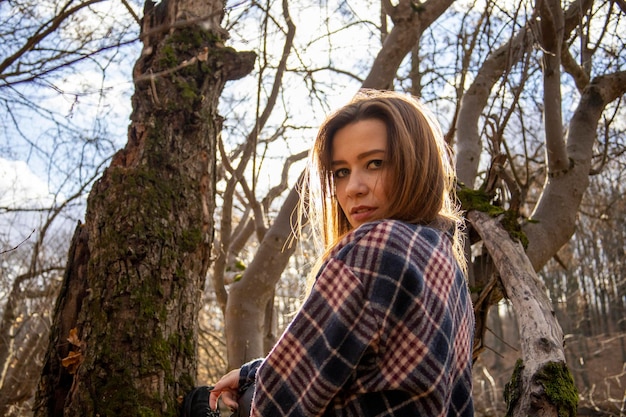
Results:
[245, 314]
[542, 384]
[134, 296]
[56, 381]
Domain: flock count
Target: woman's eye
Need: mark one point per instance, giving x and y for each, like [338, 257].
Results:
[376, 163]
[341, 173]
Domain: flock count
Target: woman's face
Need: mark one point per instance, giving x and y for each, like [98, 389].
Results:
[359, 162]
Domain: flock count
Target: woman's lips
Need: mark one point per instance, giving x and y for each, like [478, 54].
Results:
[361, 214]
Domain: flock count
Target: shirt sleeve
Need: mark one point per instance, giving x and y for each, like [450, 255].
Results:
[320, 349]
[247, 372]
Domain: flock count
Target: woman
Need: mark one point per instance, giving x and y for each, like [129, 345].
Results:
[386, 329]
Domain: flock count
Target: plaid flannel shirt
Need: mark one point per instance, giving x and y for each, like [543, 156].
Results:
[386, 331]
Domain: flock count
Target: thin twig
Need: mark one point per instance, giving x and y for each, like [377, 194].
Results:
[131, 11]
[20, 244]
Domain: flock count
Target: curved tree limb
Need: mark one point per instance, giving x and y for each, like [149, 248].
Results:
[409, 23]
[551, 228]
[469, 144]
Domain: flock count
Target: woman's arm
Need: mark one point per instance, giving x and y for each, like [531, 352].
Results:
[320, 349]
[230, 385]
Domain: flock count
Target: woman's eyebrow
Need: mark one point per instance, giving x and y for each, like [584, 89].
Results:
[359, 156]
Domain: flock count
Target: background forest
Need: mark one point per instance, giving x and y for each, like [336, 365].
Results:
[530, 94]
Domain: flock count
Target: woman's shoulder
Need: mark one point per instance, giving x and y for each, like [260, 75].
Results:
[388, 235]
[392, 248]
[396, 229]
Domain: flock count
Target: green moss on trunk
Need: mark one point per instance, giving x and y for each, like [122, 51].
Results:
[513, 388]
[481, 201]
[557, 381]
[558, 386]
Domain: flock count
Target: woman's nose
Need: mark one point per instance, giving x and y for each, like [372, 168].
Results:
[357, 186]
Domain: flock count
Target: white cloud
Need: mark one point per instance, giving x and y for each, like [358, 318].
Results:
[20, 187]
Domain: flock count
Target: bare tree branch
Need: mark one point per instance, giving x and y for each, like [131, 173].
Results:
[551, 39]
[46, 29]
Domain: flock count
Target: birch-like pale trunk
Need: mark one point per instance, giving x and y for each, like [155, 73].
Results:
[541, 336]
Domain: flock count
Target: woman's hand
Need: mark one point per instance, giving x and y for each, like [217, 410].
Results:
[226, 388]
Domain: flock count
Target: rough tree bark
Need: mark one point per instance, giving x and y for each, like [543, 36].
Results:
[124, 337]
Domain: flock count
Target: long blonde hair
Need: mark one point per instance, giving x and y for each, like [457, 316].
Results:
[421, 173]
